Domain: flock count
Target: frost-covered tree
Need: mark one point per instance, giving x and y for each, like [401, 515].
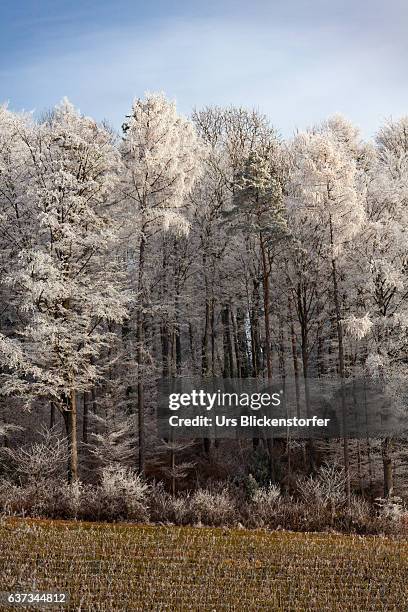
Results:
[259, 205]
[17, 216]
[327, 181]
[380, 269]
[161, 153]
[113, 440]
[62, 282]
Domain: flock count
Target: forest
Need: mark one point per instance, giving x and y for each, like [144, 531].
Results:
[204, 246]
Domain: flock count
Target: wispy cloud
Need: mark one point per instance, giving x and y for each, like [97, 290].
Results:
[296, 70]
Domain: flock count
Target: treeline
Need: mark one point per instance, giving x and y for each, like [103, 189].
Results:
[206, 246]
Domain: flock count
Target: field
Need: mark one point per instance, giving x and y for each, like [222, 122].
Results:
[129, 567]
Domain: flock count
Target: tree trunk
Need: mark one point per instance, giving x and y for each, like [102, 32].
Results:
[204, 341]
[230, 341]
[178, 337]
[192, 351]
[165, 346]
[236, 344]
[304, 335]
[268, 351]
[129, 388]
[368, 444]
[341, 369]
[386, 446]
[70, 422]
[243, 344]
[294, 357]
[228, 369]
[255, 342]
[173, 471]
[265, 274]
[85, 418]
[140, 341]
[74, 437]
[212, 320]
[93, 400]
[177, 309]
[255, 335]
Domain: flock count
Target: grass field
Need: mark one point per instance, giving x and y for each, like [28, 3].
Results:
[128, 567]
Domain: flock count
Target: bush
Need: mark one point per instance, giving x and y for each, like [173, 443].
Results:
[326, 489]
[41, 498]
[265, 504]
[164, 508]
[45, 459]
[390, 508]
[213, 508]
[122, 494]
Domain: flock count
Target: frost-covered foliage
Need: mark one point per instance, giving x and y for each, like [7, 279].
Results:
[391, 508]
[265, 503]
[212, 508]
[267, 496]
[161, 154]
[325, 183]
[357, 327]
[207, 246]
[63, 286]
[113, 443]
[259, 197]
[375, 365]
[327, 488]
[60, 285]
[121, 494]
[166, 508]
[38, 461]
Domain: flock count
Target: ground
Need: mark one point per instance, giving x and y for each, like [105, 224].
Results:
[130, 567]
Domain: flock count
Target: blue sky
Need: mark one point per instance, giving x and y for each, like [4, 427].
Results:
[296, 60]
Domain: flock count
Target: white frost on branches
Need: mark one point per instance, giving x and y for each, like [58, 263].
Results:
[357, 327]
[161, 153]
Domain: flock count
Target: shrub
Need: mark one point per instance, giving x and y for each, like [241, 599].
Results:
[122, 494]
[164, 508]
[35, 498]
[213, 508]
[390, 508]
[45, 459]
[267, 497]
[265, 504]
[326, 489]
[359, 509]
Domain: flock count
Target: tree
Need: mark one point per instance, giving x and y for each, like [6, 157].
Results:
[63, 284]
[379, 271]
[160, 152]
[259, 204]
[326, 175]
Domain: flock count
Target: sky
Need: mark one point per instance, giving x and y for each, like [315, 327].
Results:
[297, 61]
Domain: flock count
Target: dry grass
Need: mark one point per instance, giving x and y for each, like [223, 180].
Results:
[130, 567]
